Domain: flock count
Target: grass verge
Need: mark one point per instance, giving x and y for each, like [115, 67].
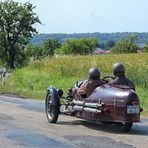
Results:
[32, 81]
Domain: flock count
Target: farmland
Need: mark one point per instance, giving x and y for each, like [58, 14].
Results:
[63, 71]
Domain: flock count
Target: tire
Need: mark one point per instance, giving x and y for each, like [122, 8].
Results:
[124, 127]
[52, 111]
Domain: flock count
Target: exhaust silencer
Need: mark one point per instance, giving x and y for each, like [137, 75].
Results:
[85, 104]
[87, 109]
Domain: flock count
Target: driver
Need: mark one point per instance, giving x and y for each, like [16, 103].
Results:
[89, 85]
[120, 78]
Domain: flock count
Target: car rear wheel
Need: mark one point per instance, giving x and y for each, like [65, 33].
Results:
[124, 127]
[52, 111]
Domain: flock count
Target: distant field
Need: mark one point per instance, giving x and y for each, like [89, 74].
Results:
[62, 72]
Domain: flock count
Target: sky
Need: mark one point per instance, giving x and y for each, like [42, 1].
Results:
[88, 16]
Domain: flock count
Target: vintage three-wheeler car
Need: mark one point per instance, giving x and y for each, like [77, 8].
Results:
[107, 104]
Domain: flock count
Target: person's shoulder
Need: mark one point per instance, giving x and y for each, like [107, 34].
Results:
[100, 82]
[85, 82]
[113, 81]
[130, 81]
[103, 82]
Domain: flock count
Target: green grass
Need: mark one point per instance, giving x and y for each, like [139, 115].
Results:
[63, 71]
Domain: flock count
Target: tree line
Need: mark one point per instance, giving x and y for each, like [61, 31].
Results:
[83, 46]
[17, 28]
[142, 38]
[53, 46]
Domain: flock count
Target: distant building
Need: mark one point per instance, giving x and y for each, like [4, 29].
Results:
[102, 51]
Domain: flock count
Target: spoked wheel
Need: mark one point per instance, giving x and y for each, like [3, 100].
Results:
[124, 127]
[52, 110]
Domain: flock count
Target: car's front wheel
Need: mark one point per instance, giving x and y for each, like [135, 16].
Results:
[52, 111]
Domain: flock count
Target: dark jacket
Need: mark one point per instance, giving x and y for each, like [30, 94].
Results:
[122, 81]
[88, 87]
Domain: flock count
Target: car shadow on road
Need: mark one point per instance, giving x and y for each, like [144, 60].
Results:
[112, 128]
[137, 129]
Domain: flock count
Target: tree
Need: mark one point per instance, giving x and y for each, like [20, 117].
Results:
[109, 44]
[21, 57]
[49, 47]
[101, 45]
[146, 48]
[16, 29]
[126, 45]
[34, 52]
[81, 46]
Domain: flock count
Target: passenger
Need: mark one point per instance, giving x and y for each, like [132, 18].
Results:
[120, 78]
[89, 85]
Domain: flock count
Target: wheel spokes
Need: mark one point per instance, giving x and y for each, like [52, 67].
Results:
[50, 110]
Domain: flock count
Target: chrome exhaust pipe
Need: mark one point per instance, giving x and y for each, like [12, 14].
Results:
[82, 108]
[85, 104]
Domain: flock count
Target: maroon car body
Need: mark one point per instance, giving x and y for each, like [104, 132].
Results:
[114, 103]
[107, 103]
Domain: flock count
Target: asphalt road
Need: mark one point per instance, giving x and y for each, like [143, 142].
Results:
[23, 123]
